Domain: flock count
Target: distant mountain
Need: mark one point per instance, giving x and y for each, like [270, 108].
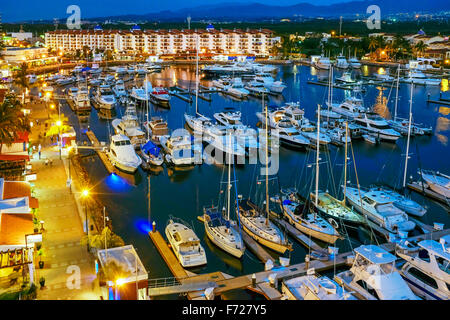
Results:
[235, 11]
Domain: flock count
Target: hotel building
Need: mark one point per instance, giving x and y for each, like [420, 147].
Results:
[158, 42]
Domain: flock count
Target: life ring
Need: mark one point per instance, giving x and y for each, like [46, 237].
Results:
[333, 223]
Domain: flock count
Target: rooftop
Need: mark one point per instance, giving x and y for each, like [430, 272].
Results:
[375, 254]
[14, 227]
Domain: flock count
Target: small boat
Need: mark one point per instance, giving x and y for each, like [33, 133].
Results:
[159, 96]
[82, 101]
[257, 89]
[122, 155]
[346, 78]
[185, 243]
[400, 201]
[119, 89]
[426, 270]
[370, 138]
[269, 83]
[322, 63]
[139, 95]
[341, 62]
[354, 63]
[314, 287]
[180, 150]
[228, 117]
[438, 182]
[197, 123]
[377, 126]
[151, 154]
[222, 83]
[373, 276]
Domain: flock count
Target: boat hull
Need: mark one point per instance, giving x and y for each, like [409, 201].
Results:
[325, 237]
[227, 248]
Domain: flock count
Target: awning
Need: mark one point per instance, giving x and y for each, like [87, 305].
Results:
[13, 157]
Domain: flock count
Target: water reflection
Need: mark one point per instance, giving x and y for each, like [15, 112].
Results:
[444, 85]
[442, 125]
[380, 105]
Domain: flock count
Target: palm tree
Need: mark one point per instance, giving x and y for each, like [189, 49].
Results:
[420, 48]
[12, 121]
[373, 44]
[20, 77]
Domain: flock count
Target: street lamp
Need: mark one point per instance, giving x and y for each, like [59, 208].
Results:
[85, 195]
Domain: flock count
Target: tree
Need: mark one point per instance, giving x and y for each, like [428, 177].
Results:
[20, 77]
[12, 121]
[98, 240]
[420, 48]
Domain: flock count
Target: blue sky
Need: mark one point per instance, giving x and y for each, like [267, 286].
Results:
[13, 11]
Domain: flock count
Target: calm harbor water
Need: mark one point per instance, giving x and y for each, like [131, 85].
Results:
[184, 193]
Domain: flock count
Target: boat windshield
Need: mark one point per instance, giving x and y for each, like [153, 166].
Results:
[443, 264]
[122, 143]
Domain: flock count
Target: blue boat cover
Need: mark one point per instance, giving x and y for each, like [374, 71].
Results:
[287, 202]
[151, 148]
[85, 69]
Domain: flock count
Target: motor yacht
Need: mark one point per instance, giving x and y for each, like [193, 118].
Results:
[323, 63]
[341, 62]
[159, 96]
[104, 97]
[139, 95]
[122, 155]
[181, 150]
[129, 126]
[222, 83]
[427, 270]
[185, 244]
[354, 63]
[314, 287]
[400, 201]
[257, 89]
[82, 101]
[197, 123]
[228, 117]
[268, 82]
[157, 128]
[119, 89]
[380, 209]
[373, 276]
[218, 137]
[352, 107]
[346, 78]
[237, 89]
[373, 124]
[151, 154]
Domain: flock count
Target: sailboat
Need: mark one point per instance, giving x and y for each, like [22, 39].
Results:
[197, 122]
[256, 224]
[333, 208]
[399, 200]
[221, 230]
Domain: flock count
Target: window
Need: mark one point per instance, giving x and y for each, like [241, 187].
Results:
[369, 289]
[443, 264]
[423, 277]
[368, 200]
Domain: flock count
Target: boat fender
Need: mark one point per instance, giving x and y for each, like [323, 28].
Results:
[333, 223]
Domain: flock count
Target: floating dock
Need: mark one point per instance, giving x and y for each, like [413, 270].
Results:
[444, 102]
[101, 154]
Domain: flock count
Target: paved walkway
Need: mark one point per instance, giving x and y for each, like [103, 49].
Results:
[62, 236]
[61, 240]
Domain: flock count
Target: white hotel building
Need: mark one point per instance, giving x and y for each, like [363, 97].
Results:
[158, 42]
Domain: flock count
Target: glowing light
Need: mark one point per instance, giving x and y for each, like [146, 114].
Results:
[59, 123]
[120, 281]
[85, 193]
[144, 226]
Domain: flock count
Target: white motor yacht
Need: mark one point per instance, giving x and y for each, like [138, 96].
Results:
[185, 244]
[104, 97]
[237, 89]
[373, 124]
[341, 62]
[129, 126]
[438, 182]
[228, 117]
[268, 82]
[346, 77]
[400, 201]
[354, 63]
[314, 287]
[159, 95]
[139, 95]
[82, 100]
[119, 89]
[427, 270]
[323, 63]
[222, 83]
[180, 149]
[197, 123]
[122, 155]
[257, 89]
[380, 209]
[218, 137]
[352, 107]
[373, 276]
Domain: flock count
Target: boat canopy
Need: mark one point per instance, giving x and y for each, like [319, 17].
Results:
[375, 254]
[151, 148]
[436, 248]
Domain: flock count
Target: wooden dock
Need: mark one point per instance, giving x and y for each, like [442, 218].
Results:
[447, 103]
[101, 154]
[423, 189]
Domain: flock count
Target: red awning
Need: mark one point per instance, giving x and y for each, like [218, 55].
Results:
[14, 157]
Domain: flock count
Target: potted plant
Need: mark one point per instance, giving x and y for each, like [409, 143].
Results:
[40, 254]
[42, 282]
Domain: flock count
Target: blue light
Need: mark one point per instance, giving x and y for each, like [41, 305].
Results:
[116, 183]
[144, 226]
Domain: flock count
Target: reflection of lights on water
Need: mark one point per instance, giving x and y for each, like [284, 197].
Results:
[365, 70]
[442, 139]
[444, 110]
[143, 226]
[444, 85]
[381, 71]
[117, 183]
[313, 71]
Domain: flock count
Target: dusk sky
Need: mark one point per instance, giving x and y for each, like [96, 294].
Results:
[13, 11]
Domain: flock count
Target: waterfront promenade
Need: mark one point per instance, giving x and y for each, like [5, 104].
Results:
[63, 229]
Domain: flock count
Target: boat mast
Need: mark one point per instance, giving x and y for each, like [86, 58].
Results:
[229, 180]
[409, 135]
[196, 74]
[345, 166]
[396, 95]
[317, 159]
[148, 202]
[267, 163]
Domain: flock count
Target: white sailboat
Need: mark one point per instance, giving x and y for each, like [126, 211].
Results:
[222, 230]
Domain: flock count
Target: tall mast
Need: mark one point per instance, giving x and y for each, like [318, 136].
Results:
[409, 135]
[148, 202]
[317, 158]
[396, 94]
[267, 163]
[345, 166]
[229, 179]
[196, 74]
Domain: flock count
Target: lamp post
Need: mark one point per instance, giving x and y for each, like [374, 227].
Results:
[59, 124]
[85, 195]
